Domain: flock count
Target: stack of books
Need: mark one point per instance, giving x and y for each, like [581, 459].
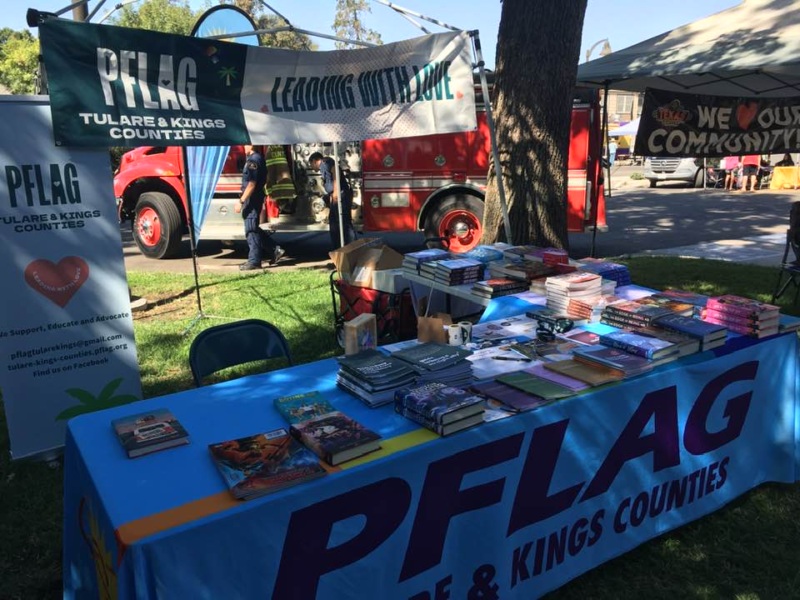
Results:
[517, 253]
[560, 289]
[439, 407]
[498, 286]
[329, 433]
[373, 377]
[524, 270]
[677, 306]
[629, 313]
[486, 254]
[457, 271]
[606, 269]
[685, 344]
[743, 315]
[710, 335]
[263, 463]
[437, 362]
[548, 256]
[625, 363]
[413, 261]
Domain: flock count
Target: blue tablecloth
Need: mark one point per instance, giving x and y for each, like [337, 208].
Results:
[523, 504]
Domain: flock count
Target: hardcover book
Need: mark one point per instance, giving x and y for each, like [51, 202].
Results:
[639, 344]
[148, 432]
[263, 463]
[692, 298]
[302, 407]
[335, 437]
[360, 333]
[695, 328]
[440, 428]
[739, 305]
[575, 385]
[439, 403]
[676, 306]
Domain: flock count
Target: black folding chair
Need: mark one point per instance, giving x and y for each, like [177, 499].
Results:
[789, 273]
[233, 344]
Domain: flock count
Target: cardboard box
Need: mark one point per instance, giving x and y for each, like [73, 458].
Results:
[360, 333]
[391, 281]
[357, 261]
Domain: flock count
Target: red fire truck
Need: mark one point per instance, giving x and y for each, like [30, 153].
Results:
[433, 184]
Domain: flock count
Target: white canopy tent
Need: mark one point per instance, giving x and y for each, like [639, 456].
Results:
[752, 50]
[629, 128]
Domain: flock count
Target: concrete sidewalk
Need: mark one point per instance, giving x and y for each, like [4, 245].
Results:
[764, 250]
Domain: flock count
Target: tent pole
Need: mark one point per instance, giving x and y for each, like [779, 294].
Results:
[192, 241]
[604, 136]
[476, 46]
[337, 191]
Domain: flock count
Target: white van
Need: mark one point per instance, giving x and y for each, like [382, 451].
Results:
[687, 170]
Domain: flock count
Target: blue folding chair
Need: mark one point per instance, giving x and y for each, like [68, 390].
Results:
[232, 344]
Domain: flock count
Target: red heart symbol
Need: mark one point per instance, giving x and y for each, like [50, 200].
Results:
[264, 108]
[745, 113]
[459, 95]
[57, 282]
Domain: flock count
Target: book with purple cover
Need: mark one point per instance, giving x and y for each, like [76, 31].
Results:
[639, 344]
[570, 383]
[739, 305]
[627, 363]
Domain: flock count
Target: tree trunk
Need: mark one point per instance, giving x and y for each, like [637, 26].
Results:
[538, 49]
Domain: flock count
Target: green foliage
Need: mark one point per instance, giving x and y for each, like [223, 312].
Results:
[348, 23]
[637, 176]
[19, 61]
[166, 16]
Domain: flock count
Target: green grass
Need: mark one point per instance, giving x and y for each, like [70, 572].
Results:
[747, 551]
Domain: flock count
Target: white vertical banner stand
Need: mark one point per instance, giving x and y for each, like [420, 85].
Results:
[66, 332]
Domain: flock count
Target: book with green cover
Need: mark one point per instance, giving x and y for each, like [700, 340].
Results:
[301, 407]
[532, 384]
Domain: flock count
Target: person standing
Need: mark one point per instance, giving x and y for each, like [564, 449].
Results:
[750, 164]
[731, 166]
[326, 167]
[254, 177]
[612, 153]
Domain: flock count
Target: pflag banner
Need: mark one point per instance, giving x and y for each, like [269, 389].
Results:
[66, 330]
[678, 124]
[128, 87]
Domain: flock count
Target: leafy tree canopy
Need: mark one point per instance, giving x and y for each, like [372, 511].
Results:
[19, 61]
[348, 23]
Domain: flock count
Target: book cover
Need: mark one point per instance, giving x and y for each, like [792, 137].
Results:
[692, 298]
[375, 367]
[701, 330]
[676, 306]
[686, 344]
[335, 437]
[634, 311]
[739, 305]
[531, 384]
[301, 407]
[439, 403]
[439, 428]
[593, 374]
[639, 344]
[360, 333]
[430, 356]
[148, 432]
[768, 320]
[613, 358]
[512, 399]
[484, 254]
[575, 385]
[263, 463]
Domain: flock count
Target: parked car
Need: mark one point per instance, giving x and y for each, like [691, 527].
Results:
[687, 170]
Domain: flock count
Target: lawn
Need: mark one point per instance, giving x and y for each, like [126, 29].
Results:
[748, 551]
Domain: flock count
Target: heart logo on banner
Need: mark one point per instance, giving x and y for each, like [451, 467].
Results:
[57, 282]
[745, 113]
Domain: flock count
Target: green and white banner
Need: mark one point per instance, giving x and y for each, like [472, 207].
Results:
[129, 87]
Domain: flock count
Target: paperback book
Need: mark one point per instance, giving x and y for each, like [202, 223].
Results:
[512, 399]
[148, 432]
[640, 344]
[263, 463]
[741, 306]
[593, 374]
[532, 384]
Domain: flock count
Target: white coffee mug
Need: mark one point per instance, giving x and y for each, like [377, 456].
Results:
[466, 331]
[454, 334]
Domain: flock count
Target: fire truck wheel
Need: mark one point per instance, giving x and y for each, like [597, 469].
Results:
[157, 226]
[457, 221]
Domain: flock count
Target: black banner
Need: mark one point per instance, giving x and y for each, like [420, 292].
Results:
[676, 124]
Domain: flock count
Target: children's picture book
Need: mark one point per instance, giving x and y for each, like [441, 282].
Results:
[439, 403]
[148, 432]
[263, 463]
[302, 407]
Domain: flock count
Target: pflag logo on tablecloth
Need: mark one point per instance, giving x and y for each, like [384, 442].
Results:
[58, 282]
